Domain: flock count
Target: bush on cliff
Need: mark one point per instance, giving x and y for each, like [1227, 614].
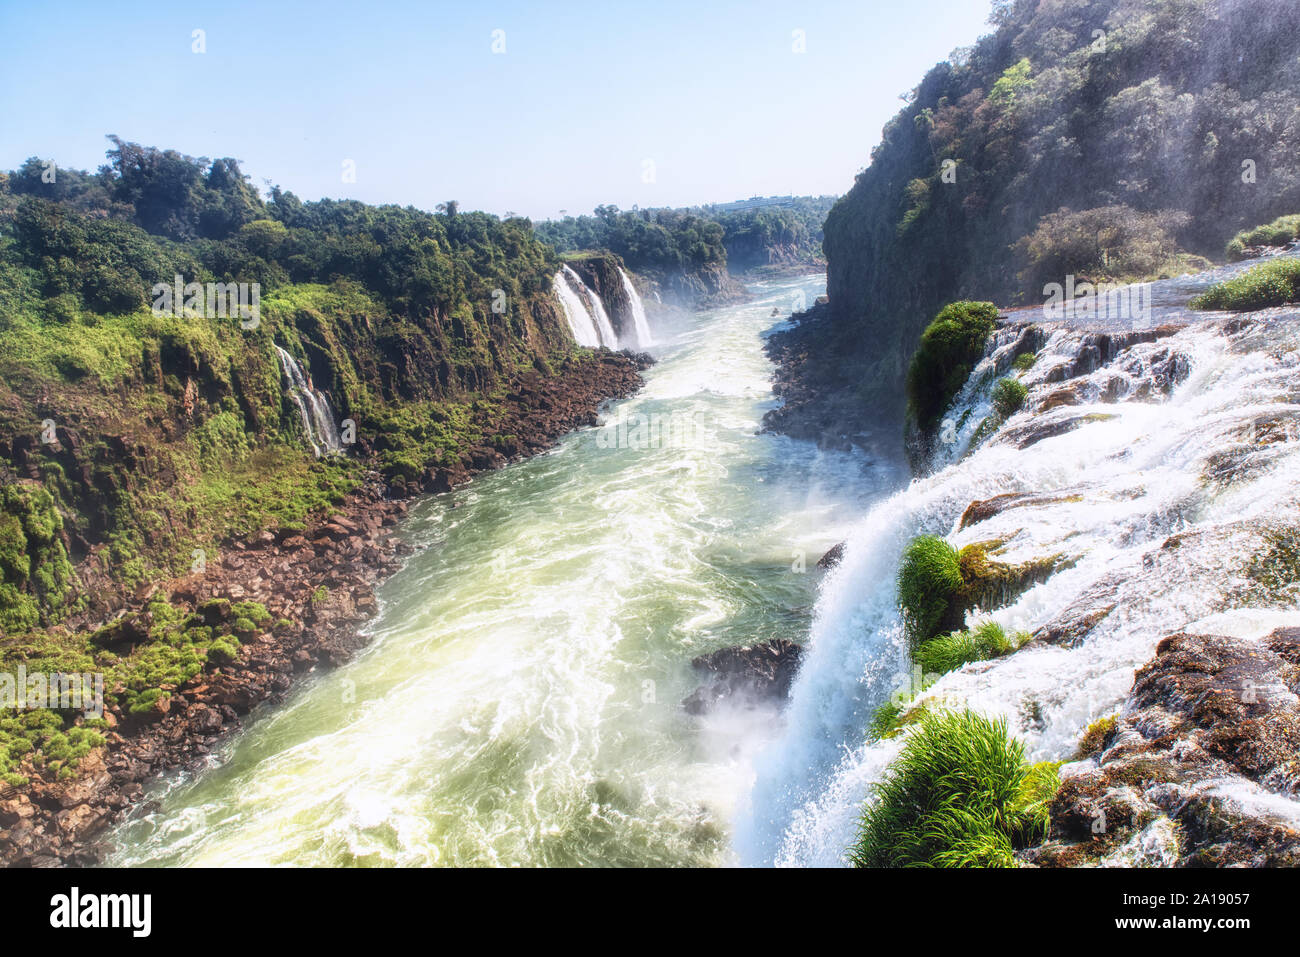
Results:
[937, 584]
[928, 579]
[1269, 284]
[949, 349]
[961, 794]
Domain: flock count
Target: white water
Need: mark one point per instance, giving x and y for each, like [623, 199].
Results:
[640, 324]
[520, 702]
[1137, 479]
[313, 406]
[606, 329]
[575, 311]
[588, 320]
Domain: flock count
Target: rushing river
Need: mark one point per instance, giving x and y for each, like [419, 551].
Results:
[520, 701]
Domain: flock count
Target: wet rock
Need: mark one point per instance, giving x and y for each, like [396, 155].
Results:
[832, 557]
[1211, 721]
[1040, 428]
[984, 509]
[761, 672]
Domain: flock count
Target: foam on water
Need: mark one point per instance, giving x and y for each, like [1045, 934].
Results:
[1124, 483]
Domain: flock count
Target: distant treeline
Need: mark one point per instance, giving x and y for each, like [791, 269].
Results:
[663, 239]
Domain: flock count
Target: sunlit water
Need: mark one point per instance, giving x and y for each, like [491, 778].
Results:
[520, 702]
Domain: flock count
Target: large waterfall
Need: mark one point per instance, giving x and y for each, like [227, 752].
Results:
[1160, 474]
[313, 407]
[586, 314]
[575, 311]
[640, 324]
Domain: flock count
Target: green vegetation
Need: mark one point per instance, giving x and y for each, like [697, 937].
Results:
[929, 579]
[657, 240]
[173, 433]
[143, 657]
[1281, 232]
[47, 739]
[950, 347]
[1273, 283]
[949, 652]
[1024, 362]
[961, 794]
[1097, 736]
[35, 573]
[937, 585]
[645, 239]
[1008, 396]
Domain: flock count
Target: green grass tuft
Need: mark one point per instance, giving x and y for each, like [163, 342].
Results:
[1280, 232]
[960, 794]
[949, 652]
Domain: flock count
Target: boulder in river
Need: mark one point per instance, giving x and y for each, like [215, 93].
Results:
[760, 672]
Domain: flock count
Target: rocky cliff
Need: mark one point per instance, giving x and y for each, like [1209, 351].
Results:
[1164, 127]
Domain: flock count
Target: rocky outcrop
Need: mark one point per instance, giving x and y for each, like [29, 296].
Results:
[1193, 772]
[752, 674]
[820, 400]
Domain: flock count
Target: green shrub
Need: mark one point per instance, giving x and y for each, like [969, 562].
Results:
[1008, 396]
[959, 795]
[949, 652]
[937, 585]
[950, 347]
[1280, 232]
[928, 579]
[1274, 283]
[1097, 736]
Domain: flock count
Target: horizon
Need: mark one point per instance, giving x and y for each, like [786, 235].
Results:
[638, 132]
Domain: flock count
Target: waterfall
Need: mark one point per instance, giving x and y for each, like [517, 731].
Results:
[1159, 473]
[639, 323]
[313, 406]
[608, 337]
[587, 317]
[580, 324]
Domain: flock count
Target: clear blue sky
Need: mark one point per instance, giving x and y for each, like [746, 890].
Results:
[585, 93]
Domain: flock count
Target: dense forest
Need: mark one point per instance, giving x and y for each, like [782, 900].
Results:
[1115, 139]
[132, 437]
